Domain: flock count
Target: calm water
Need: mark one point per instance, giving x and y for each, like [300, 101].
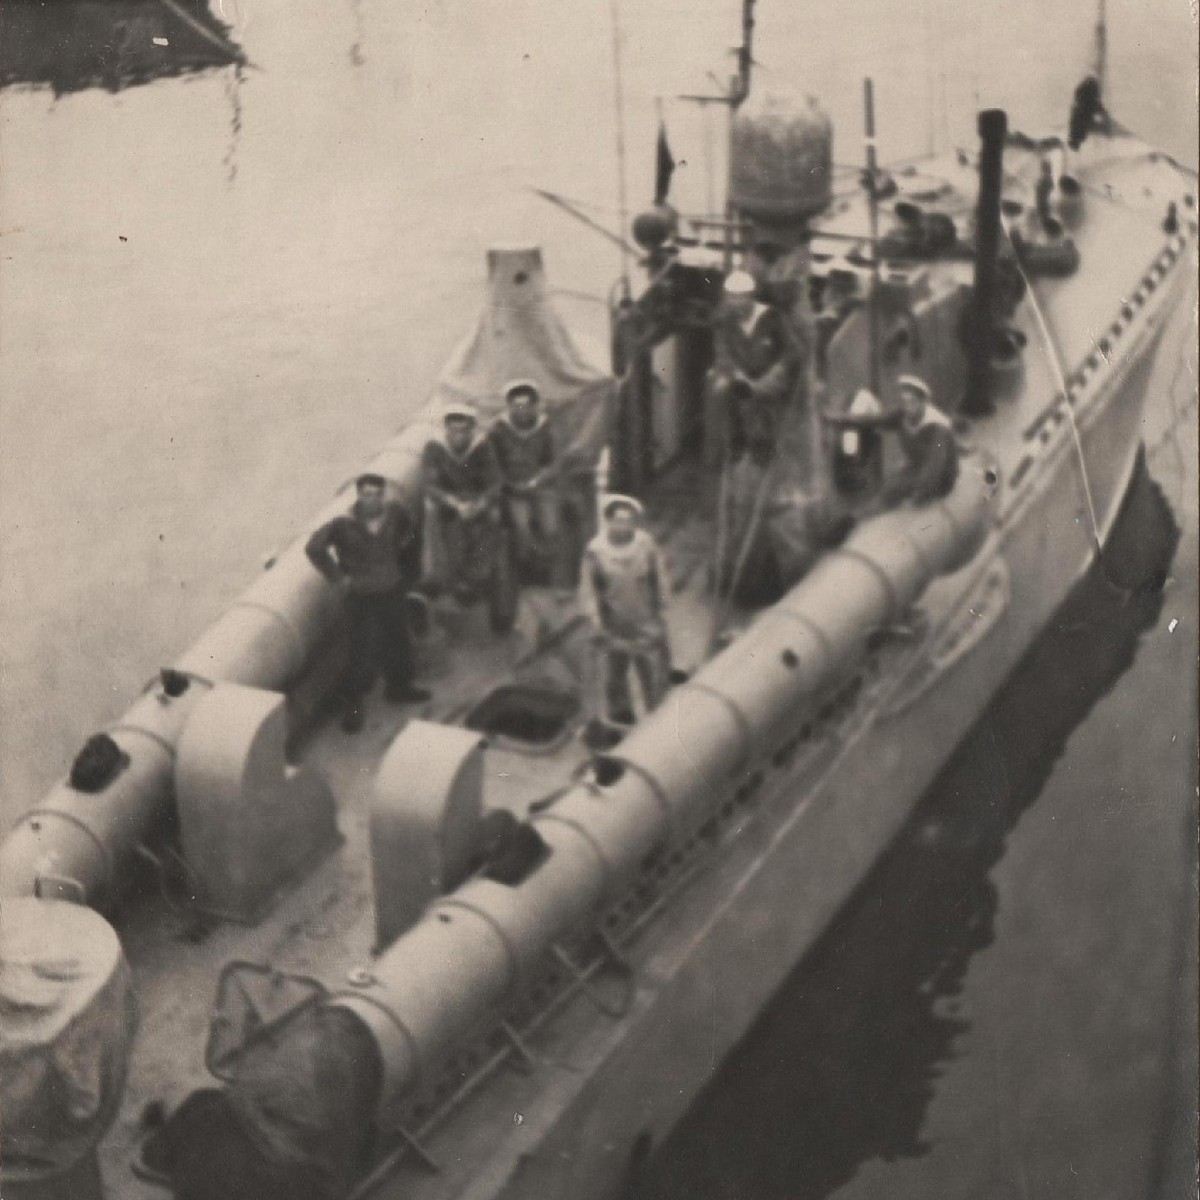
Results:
[220, 292]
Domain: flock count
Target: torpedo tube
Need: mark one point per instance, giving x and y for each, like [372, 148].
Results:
[443, 977]
[80, 843]
[67, 1015]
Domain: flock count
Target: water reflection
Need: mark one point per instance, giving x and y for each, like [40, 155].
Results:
[112, 44]
[841, 1067]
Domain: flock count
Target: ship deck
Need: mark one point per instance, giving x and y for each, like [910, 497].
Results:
[324, 926]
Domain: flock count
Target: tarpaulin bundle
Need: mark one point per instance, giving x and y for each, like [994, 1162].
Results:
[66, 1025]
[295, 1119]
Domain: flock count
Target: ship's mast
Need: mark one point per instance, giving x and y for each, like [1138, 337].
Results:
[619, 102]
[873, 210]
[745, 57]
[1101, 46]
[739, 89]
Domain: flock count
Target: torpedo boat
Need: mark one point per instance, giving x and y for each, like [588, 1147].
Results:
[494, 943]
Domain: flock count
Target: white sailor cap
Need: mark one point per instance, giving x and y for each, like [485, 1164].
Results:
[517, 386]
[614, 501]
[865, 404]
[916, 384]
[462, 412]
[740, 283]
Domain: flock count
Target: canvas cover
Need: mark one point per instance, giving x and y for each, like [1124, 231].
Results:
[66, 1025]
[296, 1120]
[519, 335]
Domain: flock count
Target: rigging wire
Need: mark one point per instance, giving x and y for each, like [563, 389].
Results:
[619, 99]
[725, 602]
[1057, 365]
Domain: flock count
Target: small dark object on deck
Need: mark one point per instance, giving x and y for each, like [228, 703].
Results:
[174, 683]
[294, 1122]
[96, 765]
[602, 735]
[509, 849]
[533, 715]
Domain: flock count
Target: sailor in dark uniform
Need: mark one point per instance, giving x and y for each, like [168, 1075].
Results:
[524, 446]
[758, 361]
[930, 448]
[371, 552]
[462, 487]
[840, 299]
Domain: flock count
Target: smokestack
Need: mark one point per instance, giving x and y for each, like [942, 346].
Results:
[993, 127]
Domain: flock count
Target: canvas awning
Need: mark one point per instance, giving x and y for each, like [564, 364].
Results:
[520, 335]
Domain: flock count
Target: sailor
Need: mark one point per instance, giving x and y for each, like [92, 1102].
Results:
[371, 552]
[930, 447]
[623, 590]
[524, 447]
[462, 485]
[758, 361]
[839, 300]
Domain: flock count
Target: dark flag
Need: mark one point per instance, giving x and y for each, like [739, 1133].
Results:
[664, 166]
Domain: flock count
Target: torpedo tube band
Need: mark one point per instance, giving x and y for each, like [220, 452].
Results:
[295, 640]
[444, 976]
[556, 896]
[585, 835]
[699, 756]
[624, 822]
[455, 900]
[400, 1059]
[854, 554]
[36, 817]
[735, 711]
[656, 789]
[149, 734]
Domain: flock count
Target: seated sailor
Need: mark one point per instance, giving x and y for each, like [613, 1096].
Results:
[462, 485]
[623, 590]
[758, 361]
[372, 553]
[930, 447]
[524, 448]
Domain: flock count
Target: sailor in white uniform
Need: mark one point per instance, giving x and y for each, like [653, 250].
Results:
[930, 447]
[623, 590]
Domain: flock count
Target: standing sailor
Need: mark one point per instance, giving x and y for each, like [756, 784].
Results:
[929, 444]
[840, 298]
[623, 590]
[758, 360]
[371, 552]
[524, 446]
[462, 485]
